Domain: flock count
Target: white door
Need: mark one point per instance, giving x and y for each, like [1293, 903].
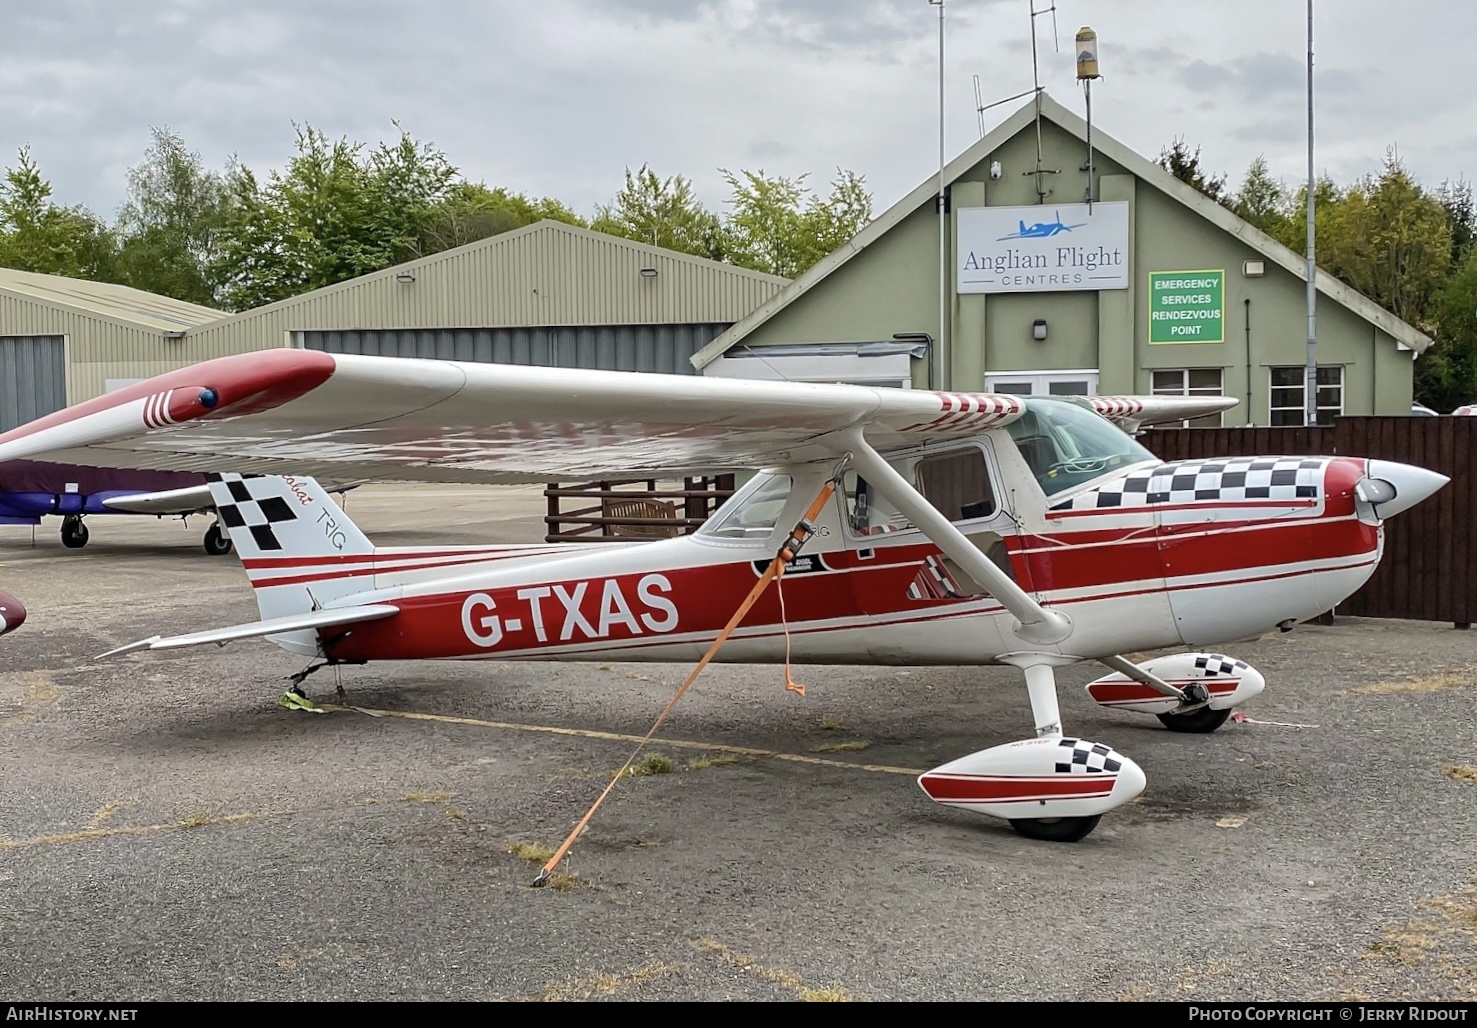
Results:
[1042, 383]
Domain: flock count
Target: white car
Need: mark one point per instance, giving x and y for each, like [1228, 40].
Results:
[1466, 408]
[1421, 410]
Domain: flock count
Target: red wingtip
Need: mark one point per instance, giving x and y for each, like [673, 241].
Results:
[244, 383]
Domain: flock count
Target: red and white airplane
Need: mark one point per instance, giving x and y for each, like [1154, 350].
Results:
[964, 529]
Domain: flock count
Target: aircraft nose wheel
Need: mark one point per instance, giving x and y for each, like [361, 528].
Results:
[74, 532]
[217, 543]
[1056, 829]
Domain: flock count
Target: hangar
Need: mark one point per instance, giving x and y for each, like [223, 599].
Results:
[1071, 269]
[549, 294]
[64, 340]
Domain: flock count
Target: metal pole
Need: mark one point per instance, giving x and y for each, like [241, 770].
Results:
[944, 332]
[1310, 377]
[1087, 90]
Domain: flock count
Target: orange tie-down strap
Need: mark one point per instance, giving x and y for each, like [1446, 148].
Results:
[776, 569]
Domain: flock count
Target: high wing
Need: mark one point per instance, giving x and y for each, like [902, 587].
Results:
[342, 416]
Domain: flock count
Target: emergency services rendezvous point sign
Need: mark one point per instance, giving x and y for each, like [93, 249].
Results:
[1187, 306]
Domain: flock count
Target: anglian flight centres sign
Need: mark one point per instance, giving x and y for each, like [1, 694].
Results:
[1043, 248]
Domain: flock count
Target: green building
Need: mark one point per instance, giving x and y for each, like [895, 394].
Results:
[1143, 286]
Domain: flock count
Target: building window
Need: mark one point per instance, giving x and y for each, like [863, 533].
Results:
[1190, 382]
[1287, 394]
[1043, 383]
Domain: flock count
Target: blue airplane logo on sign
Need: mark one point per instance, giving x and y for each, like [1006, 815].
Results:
[1042, 229]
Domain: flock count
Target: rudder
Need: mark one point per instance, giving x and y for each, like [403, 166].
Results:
[298, 547]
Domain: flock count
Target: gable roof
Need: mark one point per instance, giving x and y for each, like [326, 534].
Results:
[547, 244]
[122, 304]
[1406, 335]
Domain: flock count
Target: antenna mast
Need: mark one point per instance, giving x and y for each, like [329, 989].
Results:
[1041, 192]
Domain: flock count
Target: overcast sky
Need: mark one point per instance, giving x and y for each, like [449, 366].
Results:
[557, 97]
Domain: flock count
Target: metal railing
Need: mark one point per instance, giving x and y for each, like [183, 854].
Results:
[629, 510]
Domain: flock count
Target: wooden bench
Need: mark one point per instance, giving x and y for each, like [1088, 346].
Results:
[663, 509]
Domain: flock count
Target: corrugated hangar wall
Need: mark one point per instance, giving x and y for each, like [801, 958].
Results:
[658, 348]
[33, 378]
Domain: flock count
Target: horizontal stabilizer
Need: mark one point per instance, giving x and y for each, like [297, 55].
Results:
[292, 623]
[170, 501]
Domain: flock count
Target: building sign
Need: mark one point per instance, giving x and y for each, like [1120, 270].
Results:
[1187, 306]
[1043, 248]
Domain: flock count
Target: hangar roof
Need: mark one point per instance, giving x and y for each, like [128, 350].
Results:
[122, 304]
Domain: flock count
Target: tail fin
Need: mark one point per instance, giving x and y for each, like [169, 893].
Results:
[298, 547]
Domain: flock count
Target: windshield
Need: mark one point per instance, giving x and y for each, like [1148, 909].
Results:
[751, 513]
[1067, 445]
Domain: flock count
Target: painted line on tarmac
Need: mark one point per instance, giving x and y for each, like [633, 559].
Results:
[591, 733]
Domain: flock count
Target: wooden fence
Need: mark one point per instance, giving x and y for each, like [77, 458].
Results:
[630, 509]
[1430, 550]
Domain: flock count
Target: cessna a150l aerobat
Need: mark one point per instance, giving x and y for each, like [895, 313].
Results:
[938, 528]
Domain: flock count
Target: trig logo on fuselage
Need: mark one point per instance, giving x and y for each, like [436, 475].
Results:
[571, 612]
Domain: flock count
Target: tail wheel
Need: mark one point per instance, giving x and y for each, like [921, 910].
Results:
[1201, 721]
[74, 532]
[217, 543]
[1056, 829]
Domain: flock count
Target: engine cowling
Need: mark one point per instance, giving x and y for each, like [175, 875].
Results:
[1226, 680]
[1037, 778]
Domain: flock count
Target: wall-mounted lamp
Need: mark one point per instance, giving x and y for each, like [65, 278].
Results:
[648, 273]
[1253, 269]
[1038, 329]
[405, 277]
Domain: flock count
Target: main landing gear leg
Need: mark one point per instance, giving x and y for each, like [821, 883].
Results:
[1041, 687]
[1066, 783]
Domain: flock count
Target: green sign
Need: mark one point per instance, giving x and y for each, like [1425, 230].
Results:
[1187, 306]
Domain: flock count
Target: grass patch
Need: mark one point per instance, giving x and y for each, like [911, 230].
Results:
[426, 797]
[652, 764]
[831, 724]
[564, 881]
[1432, 683]
[603, 984]
[717, 760]
[531, 852]
[853, 746]
[1461, 772]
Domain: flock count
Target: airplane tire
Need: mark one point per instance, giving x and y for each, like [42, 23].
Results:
[217, 543]
[1056, 829]
[1200, 722]
[74, 532]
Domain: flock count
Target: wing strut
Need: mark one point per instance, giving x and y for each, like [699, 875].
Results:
[1037, 623]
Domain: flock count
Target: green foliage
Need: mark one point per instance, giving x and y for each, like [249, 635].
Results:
[170, 225]
[1446, 374]
[1179, 161]
[38, 235]
[778, 226]
[471, 211]
[333, 214]
[662, 212]
[1264, 201]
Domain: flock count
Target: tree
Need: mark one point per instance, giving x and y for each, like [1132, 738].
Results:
[38, 235]
[1185, 166]
[471, 211]
[170, 223]
[1262, 200]
[778, 226]
[333, 214]
[1461, 218]
[1446, 374]
[662, 212]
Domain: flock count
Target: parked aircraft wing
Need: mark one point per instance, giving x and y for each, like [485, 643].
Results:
[346, 416]
[292, 623]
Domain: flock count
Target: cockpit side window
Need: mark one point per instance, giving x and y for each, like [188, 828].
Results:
[958, 484]
[751, 514]
[868, 512]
